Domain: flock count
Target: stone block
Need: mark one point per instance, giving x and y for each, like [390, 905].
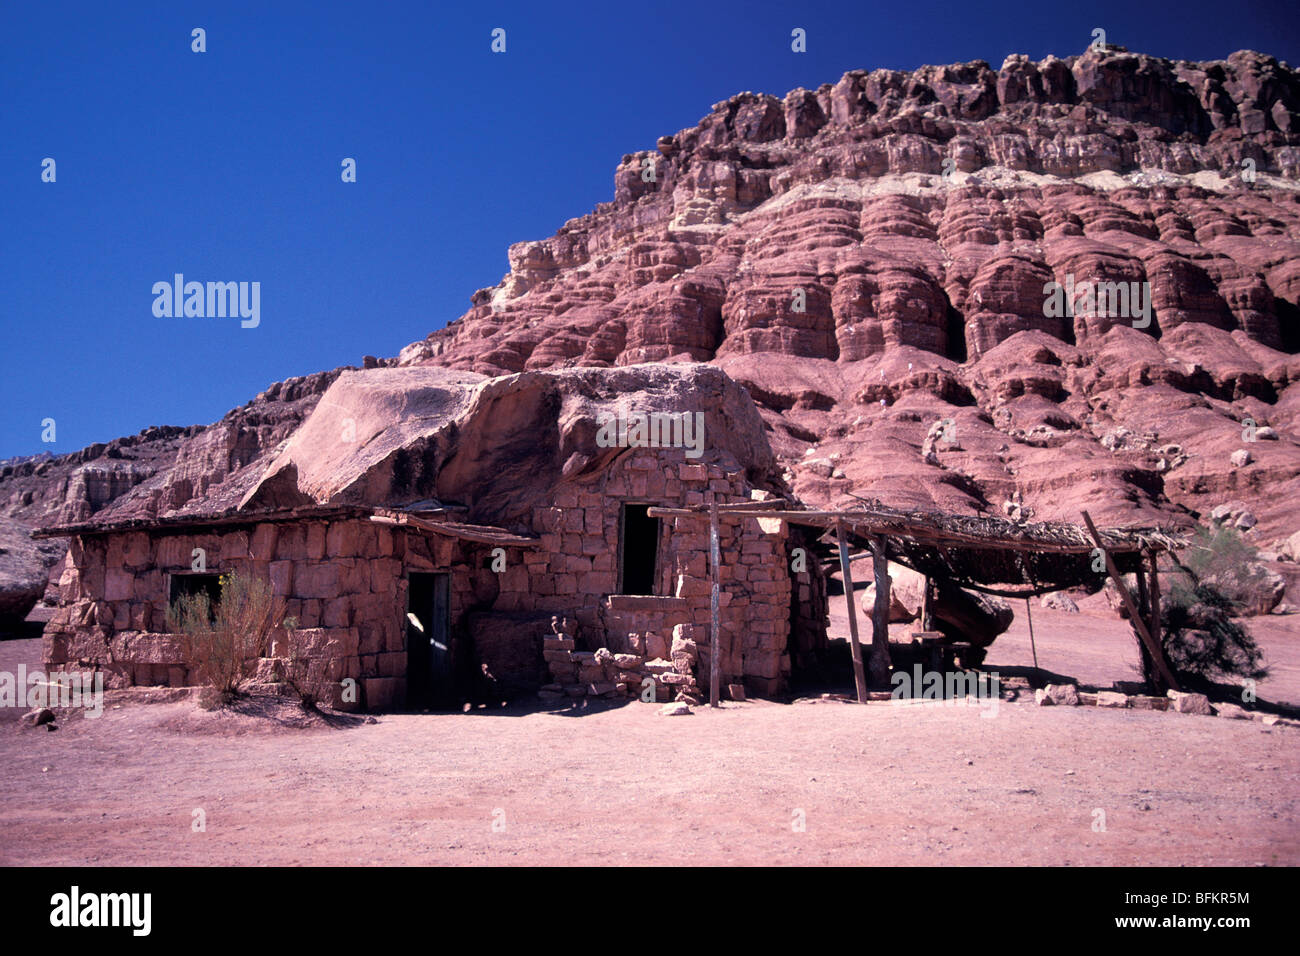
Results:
[281, 575]
[341, 539]
[338, 613]
[1190, 703]
[291, 543]
[383, 693]
[262, 545]
[119, 585]
[316, 581]
[1063, 695]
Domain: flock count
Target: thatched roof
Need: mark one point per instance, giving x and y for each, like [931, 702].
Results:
[977, 552]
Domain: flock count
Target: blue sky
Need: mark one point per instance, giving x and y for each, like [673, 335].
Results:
[225, 165]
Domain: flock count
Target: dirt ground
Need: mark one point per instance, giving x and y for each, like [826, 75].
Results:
[881, 784]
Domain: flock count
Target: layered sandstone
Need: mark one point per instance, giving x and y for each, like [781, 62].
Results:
[870, 258]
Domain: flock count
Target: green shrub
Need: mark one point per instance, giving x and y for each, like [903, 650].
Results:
[1220, 558]
[1212, 580]
[223, 644]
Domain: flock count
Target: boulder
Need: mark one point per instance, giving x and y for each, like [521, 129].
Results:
[1059, 601]
[1232, 711]
[1291, 548]
[1064, 695]
[906, 594]
[475, 438]
[970, 616]
[24, 571]
[1185, 702]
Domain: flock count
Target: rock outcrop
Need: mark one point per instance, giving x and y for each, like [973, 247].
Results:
[872, 258]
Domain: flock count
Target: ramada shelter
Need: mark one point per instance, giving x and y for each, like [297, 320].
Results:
[438, 536]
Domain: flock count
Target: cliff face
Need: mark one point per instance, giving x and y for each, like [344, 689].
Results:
[873, 257]
[873, 261]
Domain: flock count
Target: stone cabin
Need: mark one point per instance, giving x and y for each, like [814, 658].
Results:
[438, 536]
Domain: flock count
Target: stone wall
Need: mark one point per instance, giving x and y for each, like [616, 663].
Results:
[576, 570]
[344, 582]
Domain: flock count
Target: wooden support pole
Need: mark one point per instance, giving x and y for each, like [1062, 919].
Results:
[926, 623]
[1029, 616]
[715, 613]
[1136, 616]
[880, 614]
[1154, 597]
[859, 677]
[1144, 605]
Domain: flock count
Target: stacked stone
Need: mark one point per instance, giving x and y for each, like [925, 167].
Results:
[342, 582]
[605, 673]
[557, 651]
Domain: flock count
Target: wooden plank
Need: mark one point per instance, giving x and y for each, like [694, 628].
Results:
[741, 510]
[855, 647]
[475, 533]
[880, 613]
[1139, 624]
[715, 613]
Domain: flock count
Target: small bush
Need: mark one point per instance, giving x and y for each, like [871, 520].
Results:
[307, 678]
[1202, 640]
[1212, 580]
[1220, 558]
[223, 643]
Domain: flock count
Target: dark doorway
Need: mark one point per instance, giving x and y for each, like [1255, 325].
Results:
[186, 585]
[428, 640]
[638, 550]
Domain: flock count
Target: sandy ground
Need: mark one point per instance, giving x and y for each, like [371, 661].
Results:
[881, 784]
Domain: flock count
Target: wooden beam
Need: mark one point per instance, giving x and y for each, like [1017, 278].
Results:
[926, 616]
[715, 612]
[1139, 625]
[475, 533]
[1155, 600]
[739, 510]
[855, 647]
[880, 613]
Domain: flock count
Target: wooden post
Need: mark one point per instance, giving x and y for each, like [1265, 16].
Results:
[859, 678]
[1154, 597]
[715, 614]
[1144, 605]
[926, 622]
[880, 614]
[1139, 624]
[1029, 616]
